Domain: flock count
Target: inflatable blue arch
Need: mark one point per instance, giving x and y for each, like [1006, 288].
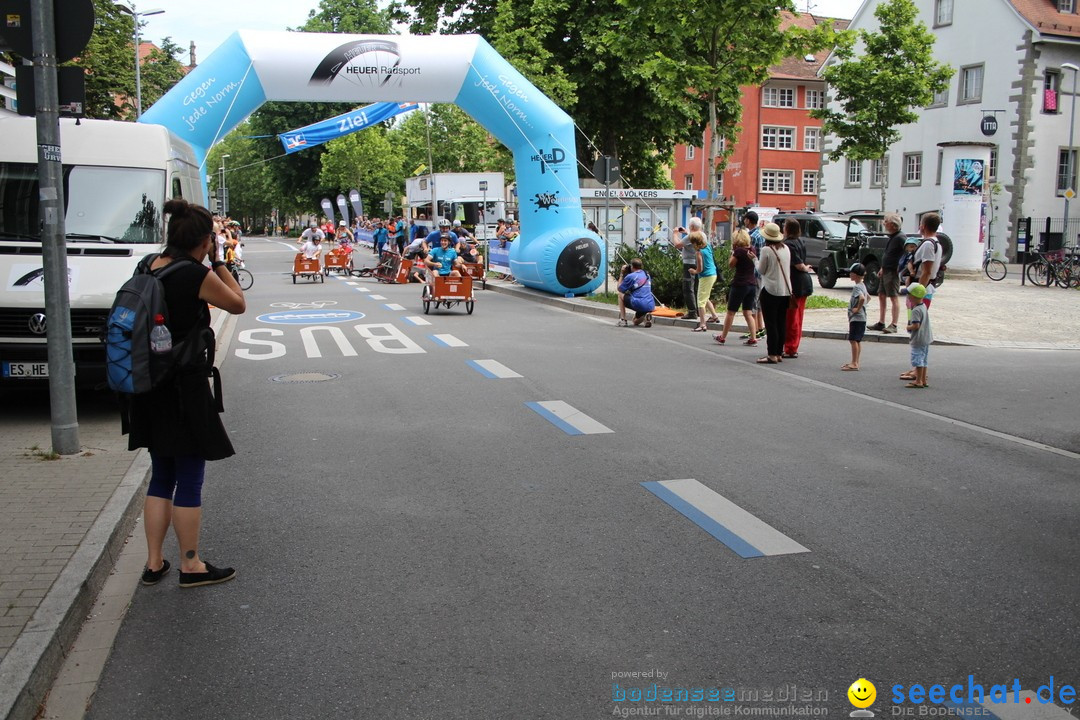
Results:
[554, 253]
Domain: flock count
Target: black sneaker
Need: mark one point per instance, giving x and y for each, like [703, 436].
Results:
[152, 577]
[877, 326]
[212, 576]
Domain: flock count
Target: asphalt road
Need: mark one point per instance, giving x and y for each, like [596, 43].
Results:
[414, 541]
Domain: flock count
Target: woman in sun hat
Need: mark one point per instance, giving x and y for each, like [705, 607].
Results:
[774, 268]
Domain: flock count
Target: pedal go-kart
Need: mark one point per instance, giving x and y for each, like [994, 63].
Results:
[448, 291]
[335, 262]
[307, 268]
[392, 268]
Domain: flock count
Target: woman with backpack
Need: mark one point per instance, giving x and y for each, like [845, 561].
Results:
[178, 420]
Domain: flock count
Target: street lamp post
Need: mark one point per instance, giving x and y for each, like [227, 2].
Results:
[1070, 169]
[130, 9]
[224, 204]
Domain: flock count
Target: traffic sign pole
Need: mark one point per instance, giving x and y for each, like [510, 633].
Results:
[65, 417]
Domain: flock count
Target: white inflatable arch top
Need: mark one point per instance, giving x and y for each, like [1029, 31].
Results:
[554, 253]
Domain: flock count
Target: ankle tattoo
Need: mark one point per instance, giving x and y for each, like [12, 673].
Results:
[190, 554]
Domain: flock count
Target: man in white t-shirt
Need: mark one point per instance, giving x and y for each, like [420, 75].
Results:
[928, 256]
[310, 234]
[313, 248]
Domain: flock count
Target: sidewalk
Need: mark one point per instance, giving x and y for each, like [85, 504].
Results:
[64, 521]
[967, 310]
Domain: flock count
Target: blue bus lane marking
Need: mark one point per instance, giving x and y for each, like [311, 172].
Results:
[492, 369]
[567, 418]
[744, 533]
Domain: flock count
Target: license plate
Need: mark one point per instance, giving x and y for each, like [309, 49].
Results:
[26, 370]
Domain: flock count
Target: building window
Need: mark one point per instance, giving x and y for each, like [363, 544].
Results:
[1052, 91]
[913, 168]
[777, 181]
[854, 173]
[809, 182]
[1066, 6]
[778, 97]
[688, 182]
[689, 152]
[941, 99]
[1064, 181]
[777, 138]
[811, 139]
[940, 162]
[991, 172]
[814, 99]
[942, 12]
[971, 81]
[720, 184]
[877, 172]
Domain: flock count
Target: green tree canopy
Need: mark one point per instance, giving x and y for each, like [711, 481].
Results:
[880, 89]
[637, 76]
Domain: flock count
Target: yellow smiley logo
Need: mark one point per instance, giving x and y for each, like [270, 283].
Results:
[862, 693]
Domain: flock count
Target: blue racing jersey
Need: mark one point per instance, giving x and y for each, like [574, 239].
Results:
[446, 256]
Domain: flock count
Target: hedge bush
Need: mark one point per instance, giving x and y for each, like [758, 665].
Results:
[664, 265]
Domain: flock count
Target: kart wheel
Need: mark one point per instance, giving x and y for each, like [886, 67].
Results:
[294, 279]
[469, 304]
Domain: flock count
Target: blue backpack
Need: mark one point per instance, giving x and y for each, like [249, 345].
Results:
[132, 368]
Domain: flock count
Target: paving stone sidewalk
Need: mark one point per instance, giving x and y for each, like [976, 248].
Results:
[63, 521]
[967, 310]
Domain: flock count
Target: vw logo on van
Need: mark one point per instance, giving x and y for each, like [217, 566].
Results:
[37, 323]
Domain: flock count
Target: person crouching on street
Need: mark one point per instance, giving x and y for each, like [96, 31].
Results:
[635, 292]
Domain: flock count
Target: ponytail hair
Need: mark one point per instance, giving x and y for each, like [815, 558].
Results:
[187, 228]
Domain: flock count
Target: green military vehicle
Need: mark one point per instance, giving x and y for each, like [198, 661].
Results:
[836, 240]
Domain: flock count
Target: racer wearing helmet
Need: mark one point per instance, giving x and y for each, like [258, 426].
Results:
[443, 258]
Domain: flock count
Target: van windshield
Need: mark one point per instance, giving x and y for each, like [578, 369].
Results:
[121, 203]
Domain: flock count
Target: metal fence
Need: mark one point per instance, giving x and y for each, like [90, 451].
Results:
[1040, 235]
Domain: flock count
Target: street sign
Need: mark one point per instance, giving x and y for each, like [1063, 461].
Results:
[74, 24]
[989, 125]
[483, 186]
[606, 169]
[1070, 194]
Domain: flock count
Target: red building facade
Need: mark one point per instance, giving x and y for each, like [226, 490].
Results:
[776, 161]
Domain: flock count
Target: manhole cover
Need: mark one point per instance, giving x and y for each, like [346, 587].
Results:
[304, 377]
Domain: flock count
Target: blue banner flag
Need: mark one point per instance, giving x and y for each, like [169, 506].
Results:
[350, 122]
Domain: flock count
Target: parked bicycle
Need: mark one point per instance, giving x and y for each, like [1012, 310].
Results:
[1055, 268]
[995, 269]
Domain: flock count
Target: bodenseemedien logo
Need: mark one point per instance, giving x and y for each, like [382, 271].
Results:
[862, 694]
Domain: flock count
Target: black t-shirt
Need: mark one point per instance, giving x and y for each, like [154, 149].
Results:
[186, 310]
[894, 248]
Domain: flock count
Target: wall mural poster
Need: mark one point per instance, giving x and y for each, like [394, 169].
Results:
[968, 178]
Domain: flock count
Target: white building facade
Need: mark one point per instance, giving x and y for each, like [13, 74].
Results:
[1008, 57]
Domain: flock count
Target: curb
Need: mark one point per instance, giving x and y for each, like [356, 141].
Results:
[29, 668]
[593, 308]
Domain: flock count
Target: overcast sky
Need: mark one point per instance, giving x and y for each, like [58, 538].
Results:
[209, 22]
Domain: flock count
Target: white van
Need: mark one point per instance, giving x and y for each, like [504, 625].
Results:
[116, 177]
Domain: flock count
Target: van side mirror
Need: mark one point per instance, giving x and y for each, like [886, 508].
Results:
[820, 234]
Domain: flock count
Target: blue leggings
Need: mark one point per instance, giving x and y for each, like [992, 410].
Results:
[179, 479]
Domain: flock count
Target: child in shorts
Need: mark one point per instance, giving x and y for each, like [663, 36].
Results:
[856, 313]
[921, 335]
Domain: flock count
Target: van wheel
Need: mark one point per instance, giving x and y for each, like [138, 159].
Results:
[826, 273]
